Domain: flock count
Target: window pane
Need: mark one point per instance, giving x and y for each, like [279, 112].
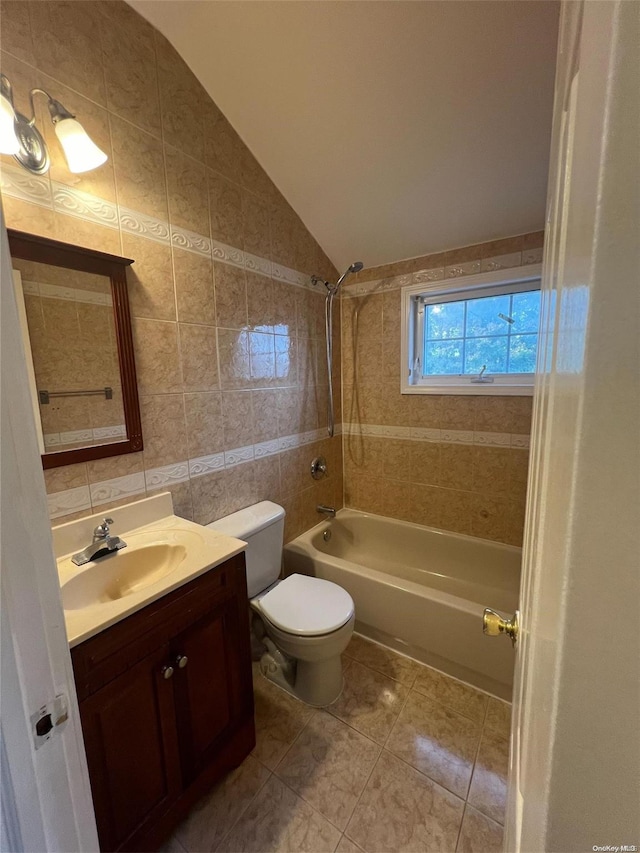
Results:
[522, 353]
[444, 321]
[482, 316]
[525, 312]
[489, 351]
[442, 357]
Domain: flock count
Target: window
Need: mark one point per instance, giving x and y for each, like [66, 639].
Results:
[477, 335]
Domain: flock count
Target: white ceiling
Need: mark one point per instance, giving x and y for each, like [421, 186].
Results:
[393, 128]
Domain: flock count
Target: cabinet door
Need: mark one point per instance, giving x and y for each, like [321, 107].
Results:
[211, 690]
[130, 738]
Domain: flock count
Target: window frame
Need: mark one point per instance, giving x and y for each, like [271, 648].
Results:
[493, 283]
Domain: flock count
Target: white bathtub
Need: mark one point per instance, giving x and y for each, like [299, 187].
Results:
[419, 590]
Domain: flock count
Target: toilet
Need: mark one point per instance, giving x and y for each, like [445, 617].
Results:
[305, 623]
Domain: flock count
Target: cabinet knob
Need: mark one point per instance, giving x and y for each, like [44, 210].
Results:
[182, 661]
[167, 671]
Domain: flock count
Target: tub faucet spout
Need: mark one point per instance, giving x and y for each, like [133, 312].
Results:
[329, 511]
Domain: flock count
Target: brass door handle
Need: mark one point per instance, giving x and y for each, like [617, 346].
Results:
[493, 624]
[182, 661]
[166, 672]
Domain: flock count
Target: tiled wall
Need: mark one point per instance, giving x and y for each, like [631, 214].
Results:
[229, 338]
[450, 461]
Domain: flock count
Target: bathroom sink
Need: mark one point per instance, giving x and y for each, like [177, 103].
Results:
[121, 574]
[162, 552]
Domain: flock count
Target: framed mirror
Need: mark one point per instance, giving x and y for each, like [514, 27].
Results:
[74, 311]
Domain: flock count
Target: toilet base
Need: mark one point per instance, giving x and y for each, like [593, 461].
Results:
[317, 684]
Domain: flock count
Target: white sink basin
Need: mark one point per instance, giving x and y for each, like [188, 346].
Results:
[121, 574]
[161, 554]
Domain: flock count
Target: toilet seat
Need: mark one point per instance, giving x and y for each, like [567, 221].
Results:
[307, 606]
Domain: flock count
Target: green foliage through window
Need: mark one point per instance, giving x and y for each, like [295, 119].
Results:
[499, 333]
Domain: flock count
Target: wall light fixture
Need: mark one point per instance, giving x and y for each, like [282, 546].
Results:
[20, 137]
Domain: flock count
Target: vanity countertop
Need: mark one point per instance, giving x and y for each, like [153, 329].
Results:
[105, 591]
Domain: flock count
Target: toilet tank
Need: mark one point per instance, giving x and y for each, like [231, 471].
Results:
[261, 526]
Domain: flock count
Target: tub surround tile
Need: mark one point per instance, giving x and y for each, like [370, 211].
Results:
[157, 360]
[64, 46]
[467, 483]
[182, 100]
[138, 161]
[382, 659]
[437, 742]
[187, 191]
[279, 820]
[453, 694]
[488, 791]
[150, 279]
[328, 766]
[132, 87]
[216, 813]
[198, 351]
[193, 275]
[370, 701]
[174, 165]
[164, 430]
[402, 810]
[479, 834]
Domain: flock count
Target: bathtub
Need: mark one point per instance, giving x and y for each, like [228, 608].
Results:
[419, 590]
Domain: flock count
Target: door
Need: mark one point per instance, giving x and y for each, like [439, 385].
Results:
[45, 791]
[574, 744]
[132, 752]
[210, 693]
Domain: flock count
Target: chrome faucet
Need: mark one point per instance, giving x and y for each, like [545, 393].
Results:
[103, 543]
[329, 511]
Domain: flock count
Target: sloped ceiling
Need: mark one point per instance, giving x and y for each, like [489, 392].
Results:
[394, 129]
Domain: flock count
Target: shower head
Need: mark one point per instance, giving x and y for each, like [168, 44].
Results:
[334, 288]
[354, 268]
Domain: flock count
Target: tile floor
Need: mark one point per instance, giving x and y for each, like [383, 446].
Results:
[407, 759]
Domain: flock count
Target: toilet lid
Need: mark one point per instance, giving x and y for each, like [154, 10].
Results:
[307, 606]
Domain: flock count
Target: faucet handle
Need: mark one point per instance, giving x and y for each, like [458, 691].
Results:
[102, 530]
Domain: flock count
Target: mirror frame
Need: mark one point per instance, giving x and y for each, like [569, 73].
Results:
[42, 250]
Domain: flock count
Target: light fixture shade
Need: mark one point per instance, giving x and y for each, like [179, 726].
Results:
[9, 143]
[82, 154]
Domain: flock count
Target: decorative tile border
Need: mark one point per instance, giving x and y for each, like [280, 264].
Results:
[498, 262]
[75, 202]
[117, 488]
[468, 268]
[18, 184]
[82, 436]
[71, 500]
[532, 256]
[156, 478]
[71, 294]
[190, 241]
[442, 436]
[144, 226]
[153, 479]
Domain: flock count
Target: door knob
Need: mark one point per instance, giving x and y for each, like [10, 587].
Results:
[167, 671]
[182, 661]
[493, 624]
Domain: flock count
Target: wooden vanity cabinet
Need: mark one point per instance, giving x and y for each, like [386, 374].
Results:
[166, 704]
